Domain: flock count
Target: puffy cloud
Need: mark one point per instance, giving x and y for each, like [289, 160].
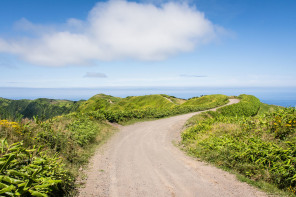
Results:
[95, 75]
[117, 30]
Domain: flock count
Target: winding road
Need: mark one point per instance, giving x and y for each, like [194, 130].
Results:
[141, 160]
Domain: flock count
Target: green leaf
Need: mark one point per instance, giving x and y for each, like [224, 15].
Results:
[3, 145]
[11, 180]
[28, 184]
[37, 171]
[2, 185]
[9, 193]
[11, 157]
[7, 189]
[17, 173]
[30, 150]
[37, 194]
[21, 185]
[39, 160]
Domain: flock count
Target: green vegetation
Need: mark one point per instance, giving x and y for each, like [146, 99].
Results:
[44, 108]
[268, 108]
[207, 100]
[140, 102]
[248, 106]
[252, 139]
[159, 109]
[98, 102]
[67, 142]
[29, 172]
[41, 156]
[45, 142]
[107, 102]
[173, 99]
[146, 107]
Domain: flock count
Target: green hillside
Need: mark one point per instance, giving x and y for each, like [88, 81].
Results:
[155, 106]
[208, 99]
[98, 102]
[44, 108]
[174, 100]
[140, 102]
[132, 107]
[107, 102]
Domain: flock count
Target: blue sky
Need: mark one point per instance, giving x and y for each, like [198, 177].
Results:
[203, 43]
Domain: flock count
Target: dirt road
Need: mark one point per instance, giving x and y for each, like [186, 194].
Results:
[141, 160]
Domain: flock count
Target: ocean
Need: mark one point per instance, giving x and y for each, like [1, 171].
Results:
[284, 96]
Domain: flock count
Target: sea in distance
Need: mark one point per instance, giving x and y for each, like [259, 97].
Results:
[283, 96]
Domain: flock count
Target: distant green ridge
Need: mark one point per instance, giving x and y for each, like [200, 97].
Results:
[42, 107]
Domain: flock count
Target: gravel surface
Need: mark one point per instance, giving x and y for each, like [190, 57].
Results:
[141, 160]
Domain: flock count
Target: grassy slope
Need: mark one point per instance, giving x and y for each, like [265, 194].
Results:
[260, 148]
[264, 108]
[175, 100]
[205, 99]
[157, 106]
[140, 102]
[44, 108]
[106, 102]
[98, 102]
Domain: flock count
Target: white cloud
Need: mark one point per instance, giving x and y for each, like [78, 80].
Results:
[117, 30]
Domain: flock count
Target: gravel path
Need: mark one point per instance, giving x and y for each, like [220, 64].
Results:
[141, 160]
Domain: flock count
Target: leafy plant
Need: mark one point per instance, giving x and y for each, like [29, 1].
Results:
[30, 172]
